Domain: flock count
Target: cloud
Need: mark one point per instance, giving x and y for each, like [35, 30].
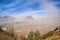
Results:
[47, 8]
[44, 7]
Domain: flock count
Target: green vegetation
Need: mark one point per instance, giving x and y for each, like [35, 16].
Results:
[4, 35]
[1, 29]
[48, 34]
[55, 34]
[52, 35]
[31, 36]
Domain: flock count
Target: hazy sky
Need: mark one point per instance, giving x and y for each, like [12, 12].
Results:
[30, 7]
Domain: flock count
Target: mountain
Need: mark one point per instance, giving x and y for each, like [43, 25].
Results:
[9, 19]
[24, 24]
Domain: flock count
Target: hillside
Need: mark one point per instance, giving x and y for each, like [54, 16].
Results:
[51, 35]
[4, 35]
[55, 35]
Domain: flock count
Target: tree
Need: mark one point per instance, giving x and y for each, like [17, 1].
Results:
[1, 29]
[23, 38]
[30, 35]
[37, 35]
[56, 28]
[48, 34]
[34, 36]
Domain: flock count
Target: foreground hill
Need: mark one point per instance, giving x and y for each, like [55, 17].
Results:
[4, 35]
[51, 35]
[55, 35]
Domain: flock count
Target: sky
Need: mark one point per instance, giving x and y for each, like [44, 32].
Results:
[30, 7]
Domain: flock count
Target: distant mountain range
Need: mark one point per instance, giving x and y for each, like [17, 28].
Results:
[14, 19]
[24, 24]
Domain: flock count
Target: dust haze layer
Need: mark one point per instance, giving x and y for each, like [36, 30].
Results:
[24, 24]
